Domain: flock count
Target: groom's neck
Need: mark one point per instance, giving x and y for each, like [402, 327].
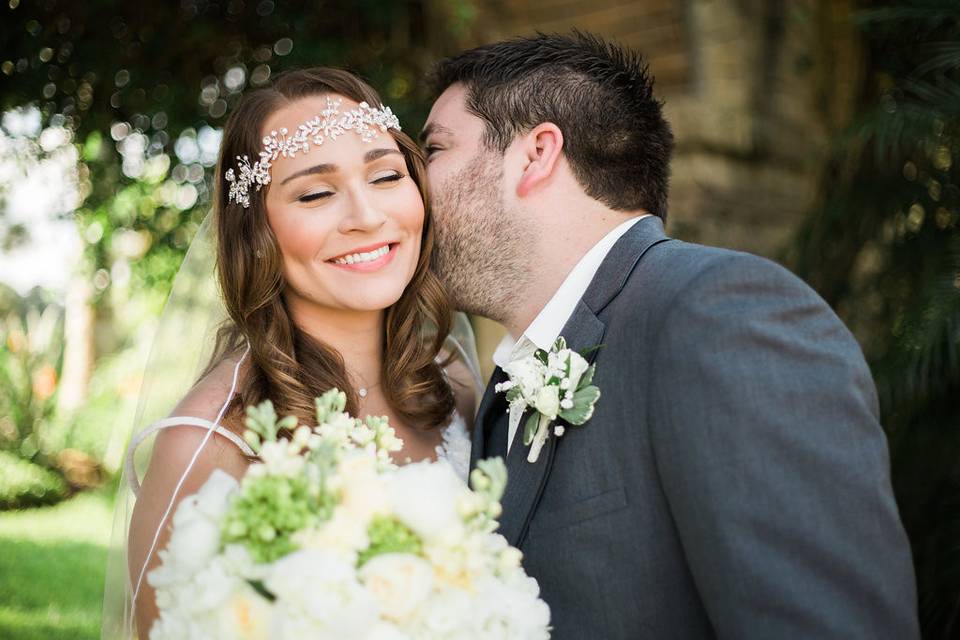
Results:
[568, 233]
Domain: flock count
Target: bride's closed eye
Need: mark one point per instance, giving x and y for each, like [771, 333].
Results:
[388, 177]
[314, 196]
[382, 178]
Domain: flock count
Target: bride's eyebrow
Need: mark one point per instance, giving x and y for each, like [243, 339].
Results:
[368, 157]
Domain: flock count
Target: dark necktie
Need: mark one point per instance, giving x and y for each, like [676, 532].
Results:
[496, 421]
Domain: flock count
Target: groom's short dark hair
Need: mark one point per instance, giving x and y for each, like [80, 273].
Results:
[599, 94]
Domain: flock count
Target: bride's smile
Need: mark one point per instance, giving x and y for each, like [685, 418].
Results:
[366, 259]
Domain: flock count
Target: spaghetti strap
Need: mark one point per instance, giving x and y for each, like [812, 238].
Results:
[176, 422]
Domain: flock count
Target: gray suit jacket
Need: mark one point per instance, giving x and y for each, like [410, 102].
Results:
[734, 479]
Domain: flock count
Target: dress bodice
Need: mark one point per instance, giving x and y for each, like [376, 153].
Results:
[455, 448]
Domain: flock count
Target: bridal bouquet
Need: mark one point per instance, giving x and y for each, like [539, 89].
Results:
[327, 538]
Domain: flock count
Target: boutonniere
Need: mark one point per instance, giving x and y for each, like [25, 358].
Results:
[556, 384]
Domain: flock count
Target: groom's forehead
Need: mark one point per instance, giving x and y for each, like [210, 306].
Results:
[449, 115]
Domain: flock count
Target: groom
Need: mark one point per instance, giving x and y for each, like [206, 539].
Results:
[733, 481]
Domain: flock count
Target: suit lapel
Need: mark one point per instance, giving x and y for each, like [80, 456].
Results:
[526, 480]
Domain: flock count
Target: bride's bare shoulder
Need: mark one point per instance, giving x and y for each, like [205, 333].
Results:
[207, 401]
[207, 397]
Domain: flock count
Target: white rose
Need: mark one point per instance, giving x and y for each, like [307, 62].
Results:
[212, 498]
[527, 373]
[399, 581]
[578, 367]
[509, 560]
[385, 631]
[196, 528]
[450, 613]
[547, 401]
[247, 615]
[363, 491]
[192, 544]
[342, 535]
[458, 560]
[319, 596]
[513, 607]
[424, 496]
[214, 586]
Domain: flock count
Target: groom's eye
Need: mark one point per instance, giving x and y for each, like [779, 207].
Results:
[431, 149]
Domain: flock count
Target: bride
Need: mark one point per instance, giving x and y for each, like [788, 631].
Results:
[323, 265]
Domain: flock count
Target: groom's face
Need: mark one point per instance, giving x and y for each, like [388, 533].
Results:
[477, 237]
[452, 136]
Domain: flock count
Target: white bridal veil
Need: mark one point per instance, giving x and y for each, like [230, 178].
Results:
[182, 349]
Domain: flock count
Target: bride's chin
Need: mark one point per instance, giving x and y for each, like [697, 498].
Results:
[372, 299]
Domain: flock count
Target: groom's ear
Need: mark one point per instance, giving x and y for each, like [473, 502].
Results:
[541, 148]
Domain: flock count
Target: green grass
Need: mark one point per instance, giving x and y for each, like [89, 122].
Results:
[52, 563]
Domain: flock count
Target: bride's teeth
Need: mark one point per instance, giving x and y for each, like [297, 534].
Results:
[364, 257]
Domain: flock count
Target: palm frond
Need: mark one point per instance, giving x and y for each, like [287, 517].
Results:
[928, 14]
[944, 57]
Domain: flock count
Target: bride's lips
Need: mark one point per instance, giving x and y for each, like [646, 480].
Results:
[367, 266]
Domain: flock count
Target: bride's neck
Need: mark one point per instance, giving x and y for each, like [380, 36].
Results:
[356, 335]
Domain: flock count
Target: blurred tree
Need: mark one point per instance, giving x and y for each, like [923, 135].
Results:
[144, 87]
[884, 250]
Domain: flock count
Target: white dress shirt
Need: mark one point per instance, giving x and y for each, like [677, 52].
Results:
[546, 327]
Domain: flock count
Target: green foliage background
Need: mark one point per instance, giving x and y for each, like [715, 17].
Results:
[884, 250]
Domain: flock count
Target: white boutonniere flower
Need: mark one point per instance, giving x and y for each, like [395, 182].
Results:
[556, 384]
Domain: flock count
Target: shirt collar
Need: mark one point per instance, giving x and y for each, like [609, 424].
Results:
[546, 327]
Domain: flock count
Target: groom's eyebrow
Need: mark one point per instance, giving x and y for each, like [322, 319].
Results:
[368, 157]
[431, 129]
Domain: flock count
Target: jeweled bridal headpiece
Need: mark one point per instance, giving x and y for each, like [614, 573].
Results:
[367, 121]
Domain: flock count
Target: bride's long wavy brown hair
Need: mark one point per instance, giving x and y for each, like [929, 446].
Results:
[286, 365]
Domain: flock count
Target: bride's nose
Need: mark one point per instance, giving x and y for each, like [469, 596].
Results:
[362, 213]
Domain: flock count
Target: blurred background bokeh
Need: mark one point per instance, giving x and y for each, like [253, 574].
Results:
[822, 134]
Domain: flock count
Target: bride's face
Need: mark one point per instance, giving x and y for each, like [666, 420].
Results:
[347, 215]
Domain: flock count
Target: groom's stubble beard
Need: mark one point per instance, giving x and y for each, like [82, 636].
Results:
[480, 252]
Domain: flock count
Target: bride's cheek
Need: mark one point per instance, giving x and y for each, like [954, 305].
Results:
[304, 239]
[413, 217]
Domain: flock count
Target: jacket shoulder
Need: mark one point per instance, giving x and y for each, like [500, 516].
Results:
[675, 272]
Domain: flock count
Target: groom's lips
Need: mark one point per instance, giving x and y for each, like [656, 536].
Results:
[366, 267]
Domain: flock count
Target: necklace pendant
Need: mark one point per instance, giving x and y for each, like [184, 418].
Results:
[362, 391]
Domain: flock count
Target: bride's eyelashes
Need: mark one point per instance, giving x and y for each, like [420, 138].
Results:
[394, 176]
[318, 195]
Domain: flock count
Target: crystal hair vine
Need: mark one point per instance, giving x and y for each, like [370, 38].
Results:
[368, 122]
